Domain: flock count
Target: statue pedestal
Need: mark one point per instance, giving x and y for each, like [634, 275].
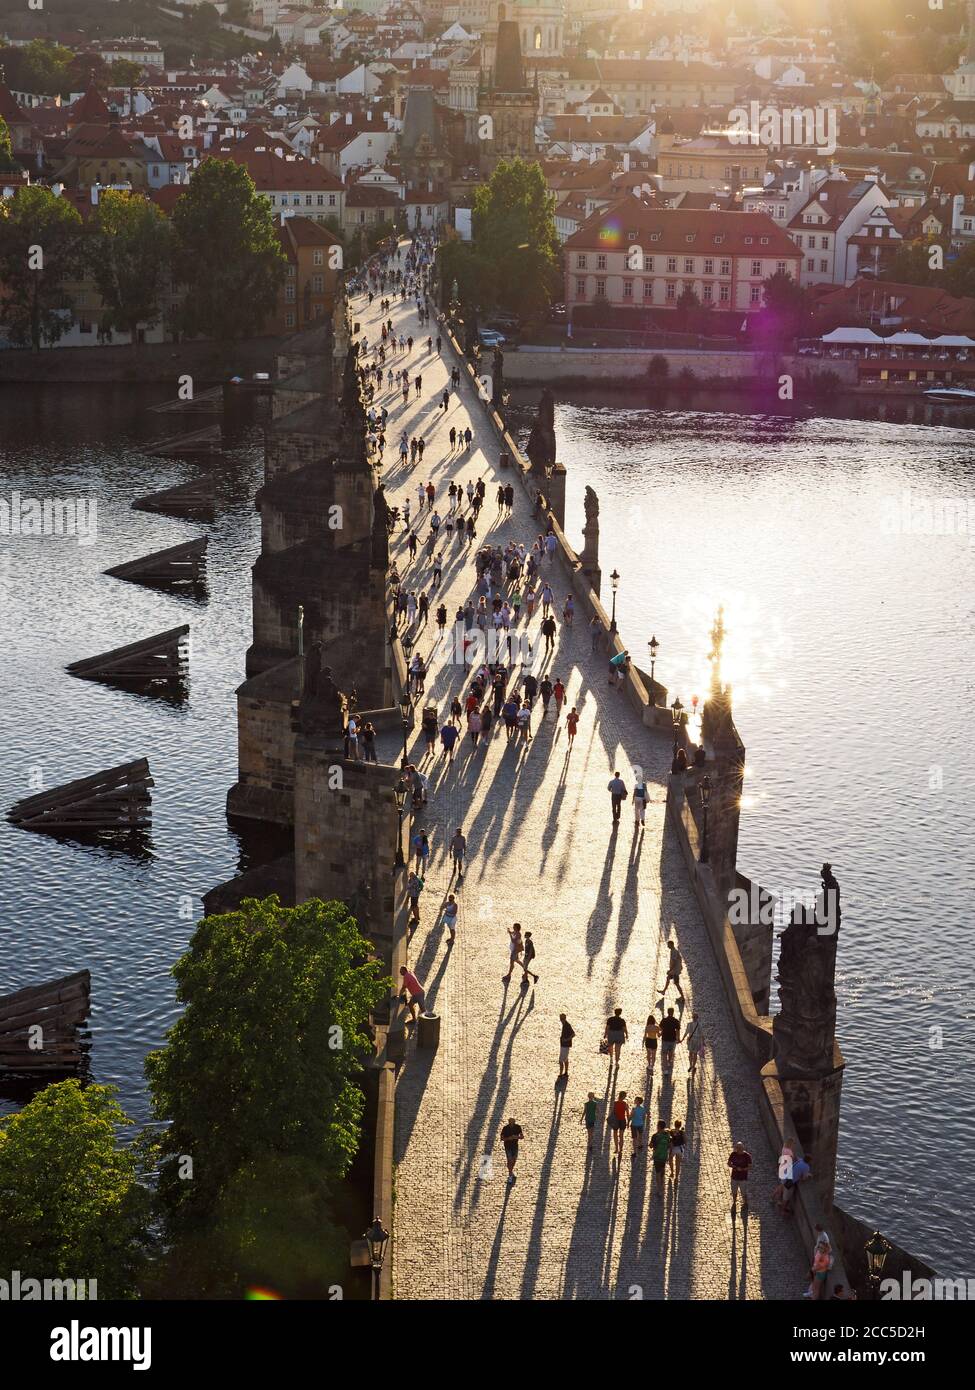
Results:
[814, 1106]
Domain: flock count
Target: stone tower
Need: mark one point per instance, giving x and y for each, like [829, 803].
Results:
[506, 105]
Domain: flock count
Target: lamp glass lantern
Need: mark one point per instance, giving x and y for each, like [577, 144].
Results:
[706, 790]
[654, 646]
[377, 1238]
[876, 1250]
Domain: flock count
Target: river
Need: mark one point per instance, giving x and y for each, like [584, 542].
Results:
[848, 648]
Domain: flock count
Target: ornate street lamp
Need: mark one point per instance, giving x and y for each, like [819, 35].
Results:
[399, 795]
[377, 1238]
[677, 714]
[876, 1250]
[406, 710]
[705, 803]
[614, 579]
[654, 646]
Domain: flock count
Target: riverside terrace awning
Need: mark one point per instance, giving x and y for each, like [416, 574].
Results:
[852, 337]
[903, 339]
[954, 340]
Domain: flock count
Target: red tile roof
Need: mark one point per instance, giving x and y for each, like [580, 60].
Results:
[683, 232]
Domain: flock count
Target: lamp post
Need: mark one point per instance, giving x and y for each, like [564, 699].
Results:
[406, 709]
[377, 1238]
[614, 579]
[705, 803]
[654, 646]
[676, 713]
[399, 794]
[876, 1250]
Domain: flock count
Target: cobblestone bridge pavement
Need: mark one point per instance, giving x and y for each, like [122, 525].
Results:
[600, 905]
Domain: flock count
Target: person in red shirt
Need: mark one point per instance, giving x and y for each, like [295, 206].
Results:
[621, 1118]
[739, 1161]
[411, 985]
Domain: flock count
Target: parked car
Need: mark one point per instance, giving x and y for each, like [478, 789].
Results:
[558, 311]
[502, 323]
[490, 338]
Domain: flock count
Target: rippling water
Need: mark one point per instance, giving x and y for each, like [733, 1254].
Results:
[67, 907]
[849, 649]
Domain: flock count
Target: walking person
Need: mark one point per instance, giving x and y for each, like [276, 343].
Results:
[640, 798]
[618, 794]
[669, 1036]
[545, 690]
[528, 955]
[739, 1161]
[458, 848]
[651, 1032]
[694, 1037]
[589, 1112]
[474, 726]
[558, 691]
[674, 967]
[450, 918]
[621, 1118]
[638, 1120]
[511, 1136]
[572, 724]
[595, 633]
[615, 1035]
[515, 947]
[448, 739]
[660, 1148]
[548, 632]
[565, 1044]
[414, 887]
[678, 1138]
[409, 984]
[368, 739]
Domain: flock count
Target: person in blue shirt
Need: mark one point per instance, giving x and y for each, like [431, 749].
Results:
[449, 735]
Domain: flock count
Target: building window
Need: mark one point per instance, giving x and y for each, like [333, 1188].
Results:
[318, 257]
[296, 200]
[671, 265]
[708, 293]
[580, 262]
[307, 200]
[810, 264]
[580, 289]
[764, 240]
[289, 320]
[824, 243]
[331, 200]
[272, 197]
[724, 293]
[318, 283]
[671, 290]
[320, 199]
[725, 267]
[709, 267]
[824, 267]
[755, 294]
[601, 289]
[756, 267]
[291, 271]
[289, 293]
[688, 265]
[600, 262]
[749, 240]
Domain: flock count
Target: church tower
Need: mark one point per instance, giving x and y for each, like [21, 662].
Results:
[507, 106]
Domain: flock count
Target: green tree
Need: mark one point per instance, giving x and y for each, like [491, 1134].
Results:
[124, 73]
[959, 275]
[911, 265]
[45, 67]
[785, 306]
[7, 162]
[40, 250]
[262, 1063]
[71, 1204]
[226, 253]
[513, 227]
[128, 252]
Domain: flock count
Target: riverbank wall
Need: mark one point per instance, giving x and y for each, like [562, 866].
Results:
[616, 369]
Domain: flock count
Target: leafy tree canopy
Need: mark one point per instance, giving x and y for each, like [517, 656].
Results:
[263, 1060]
[227, 253]
[40, 248]
[71, 1204]
[513, 227]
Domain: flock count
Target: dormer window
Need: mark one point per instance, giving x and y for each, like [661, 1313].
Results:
[749, 240]
[764, 240]
[718, 238]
